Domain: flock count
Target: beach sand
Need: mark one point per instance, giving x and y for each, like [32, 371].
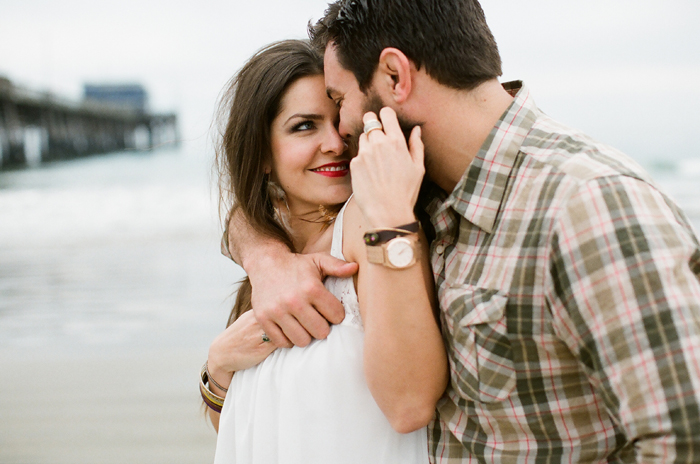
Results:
[88, 409]
[101, 345]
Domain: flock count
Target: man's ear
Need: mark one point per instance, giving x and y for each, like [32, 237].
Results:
[393, 74]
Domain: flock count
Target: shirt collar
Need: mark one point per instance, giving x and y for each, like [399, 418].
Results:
[479, 193]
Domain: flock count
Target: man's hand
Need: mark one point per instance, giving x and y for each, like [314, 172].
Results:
[386, 173]
[289, 299]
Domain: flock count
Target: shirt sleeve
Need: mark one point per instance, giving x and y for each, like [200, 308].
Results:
[624, 289]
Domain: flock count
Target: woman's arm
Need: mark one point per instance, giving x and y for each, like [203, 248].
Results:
[238, 347]
[404, 355]
[405, 359]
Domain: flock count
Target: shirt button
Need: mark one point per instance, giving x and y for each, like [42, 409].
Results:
[440, 249]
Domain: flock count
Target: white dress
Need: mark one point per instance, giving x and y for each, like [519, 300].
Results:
[312, 405]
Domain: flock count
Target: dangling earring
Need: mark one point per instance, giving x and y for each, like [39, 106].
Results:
[276, 192]
[277, 197]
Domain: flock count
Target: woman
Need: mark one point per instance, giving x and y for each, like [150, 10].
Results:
[287, 169]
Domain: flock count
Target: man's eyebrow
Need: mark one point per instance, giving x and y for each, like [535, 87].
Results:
[313, 117]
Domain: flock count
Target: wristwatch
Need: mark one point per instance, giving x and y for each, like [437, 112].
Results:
[395, 248]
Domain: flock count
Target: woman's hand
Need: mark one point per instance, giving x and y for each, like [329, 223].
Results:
[238, 347]
[387, 172]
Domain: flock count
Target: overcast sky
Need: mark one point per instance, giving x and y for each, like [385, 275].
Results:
[625, 71]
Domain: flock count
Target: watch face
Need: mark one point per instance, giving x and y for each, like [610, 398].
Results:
[399, 252]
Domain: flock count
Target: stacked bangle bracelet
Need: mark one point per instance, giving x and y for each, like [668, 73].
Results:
[211, 379]
[215, 402]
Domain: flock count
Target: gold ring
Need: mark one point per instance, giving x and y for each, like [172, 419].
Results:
[372, 125]
[265, 338]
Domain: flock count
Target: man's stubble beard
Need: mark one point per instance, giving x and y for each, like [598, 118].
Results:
[374, 103]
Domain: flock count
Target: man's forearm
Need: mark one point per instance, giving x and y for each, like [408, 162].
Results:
[247, 246]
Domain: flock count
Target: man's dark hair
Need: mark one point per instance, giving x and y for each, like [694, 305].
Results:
[449, 37]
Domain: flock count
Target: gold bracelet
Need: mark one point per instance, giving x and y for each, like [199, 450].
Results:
[214, 401]
[211, 379]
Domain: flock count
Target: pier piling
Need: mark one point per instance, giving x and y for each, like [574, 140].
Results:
[37, 127]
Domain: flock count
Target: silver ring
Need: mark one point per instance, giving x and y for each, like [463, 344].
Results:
[265, 338]
[372, 125]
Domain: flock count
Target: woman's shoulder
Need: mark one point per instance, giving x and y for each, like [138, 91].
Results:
[354, 227]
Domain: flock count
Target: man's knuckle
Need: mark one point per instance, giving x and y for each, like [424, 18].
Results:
[291, 299]
[275, 313]
[310, 288]
[262, 314]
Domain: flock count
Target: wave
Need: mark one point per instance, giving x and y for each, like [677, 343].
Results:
[67, 216]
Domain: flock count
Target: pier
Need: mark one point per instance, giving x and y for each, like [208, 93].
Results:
[37, 127]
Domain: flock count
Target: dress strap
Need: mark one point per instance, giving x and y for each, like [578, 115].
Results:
[337, 244]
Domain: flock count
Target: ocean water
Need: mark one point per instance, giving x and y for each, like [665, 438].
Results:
[100, 250]
[112, 286]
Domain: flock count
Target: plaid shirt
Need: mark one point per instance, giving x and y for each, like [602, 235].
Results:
[570, 294]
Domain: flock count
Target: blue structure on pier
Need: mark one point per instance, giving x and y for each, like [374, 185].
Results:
[131, 96]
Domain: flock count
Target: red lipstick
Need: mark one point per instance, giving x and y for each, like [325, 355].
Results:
[339, 169]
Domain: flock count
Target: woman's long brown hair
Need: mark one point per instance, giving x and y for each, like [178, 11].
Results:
[247, 108]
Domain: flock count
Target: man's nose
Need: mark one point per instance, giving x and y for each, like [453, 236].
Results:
[344, 129]
[334, 143]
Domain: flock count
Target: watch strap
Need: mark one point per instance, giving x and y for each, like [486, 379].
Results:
[412, 227]
[375, 254]
[377, 237]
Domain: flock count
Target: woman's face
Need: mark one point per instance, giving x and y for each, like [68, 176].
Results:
[309, 159]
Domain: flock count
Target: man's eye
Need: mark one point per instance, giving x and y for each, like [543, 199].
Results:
[338, 102]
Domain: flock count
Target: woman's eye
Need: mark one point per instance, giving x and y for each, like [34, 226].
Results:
[303, 126]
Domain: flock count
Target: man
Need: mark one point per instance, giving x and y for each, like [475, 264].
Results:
[569, 286]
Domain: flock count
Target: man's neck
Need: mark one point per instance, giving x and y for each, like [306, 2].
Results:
[457, 124]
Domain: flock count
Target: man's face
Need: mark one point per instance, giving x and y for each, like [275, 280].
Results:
[343, 88]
